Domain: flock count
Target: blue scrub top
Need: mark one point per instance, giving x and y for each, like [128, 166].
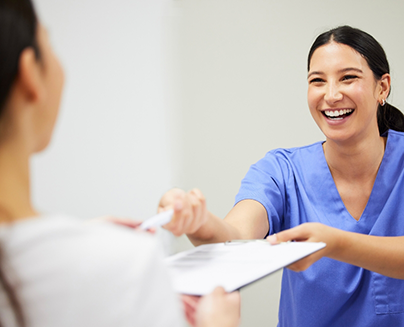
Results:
[295, 186]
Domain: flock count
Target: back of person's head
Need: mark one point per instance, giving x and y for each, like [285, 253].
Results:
[388, 117]
[18, 26]
[18, 31]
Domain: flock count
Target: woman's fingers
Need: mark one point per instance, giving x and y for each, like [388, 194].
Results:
[191, 300]
[306, 262]
[176, 199]
[199, 210]
[190, 304]
[219, 309]
[168, 199]
[189, 214]
[300, 234]
[189, 210]
[308, 232]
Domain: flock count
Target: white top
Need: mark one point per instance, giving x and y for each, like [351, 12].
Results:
[75, 274]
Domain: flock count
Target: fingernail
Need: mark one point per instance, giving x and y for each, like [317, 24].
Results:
[272, 239]
[178, 206]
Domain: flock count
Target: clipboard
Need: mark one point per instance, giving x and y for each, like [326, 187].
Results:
[232, 265]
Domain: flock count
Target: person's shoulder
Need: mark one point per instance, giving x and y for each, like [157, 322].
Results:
[279, 163]
[63, 250]
[63, 228]
[110, 242]
[70, 265]
[292, 154]
[395, 142]
[71, 242]
[399, 136]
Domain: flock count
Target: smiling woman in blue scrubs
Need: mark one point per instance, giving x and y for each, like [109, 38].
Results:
[346, 191]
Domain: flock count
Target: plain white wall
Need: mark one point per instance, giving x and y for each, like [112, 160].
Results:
[110, 152]
[241, 65]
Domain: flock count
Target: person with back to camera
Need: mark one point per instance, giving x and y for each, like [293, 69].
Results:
[55, 270]
[346, 191]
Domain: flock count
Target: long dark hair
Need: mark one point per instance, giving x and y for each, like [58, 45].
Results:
[388, 116]
[18, 31]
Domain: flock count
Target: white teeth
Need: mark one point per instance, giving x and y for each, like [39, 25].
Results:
[337, 113]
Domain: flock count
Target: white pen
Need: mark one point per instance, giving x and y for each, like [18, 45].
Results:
[158, 220]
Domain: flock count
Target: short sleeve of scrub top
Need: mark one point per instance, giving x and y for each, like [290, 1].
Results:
[295, 186]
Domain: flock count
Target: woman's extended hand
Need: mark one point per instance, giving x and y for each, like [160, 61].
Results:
[215, 309]
[190, 211]
[190, 305]
[309, 232]
[219, 309]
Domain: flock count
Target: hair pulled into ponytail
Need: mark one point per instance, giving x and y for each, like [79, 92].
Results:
[388, 116]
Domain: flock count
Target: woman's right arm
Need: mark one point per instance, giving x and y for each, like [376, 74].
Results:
[246, 220]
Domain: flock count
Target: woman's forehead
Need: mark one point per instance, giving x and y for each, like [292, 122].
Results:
[334, 55]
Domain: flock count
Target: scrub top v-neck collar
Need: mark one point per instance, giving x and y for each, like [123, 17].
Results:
[376, 201]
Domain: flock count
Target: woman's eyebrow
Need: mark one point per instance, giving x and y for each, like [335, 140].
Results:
[340, 71]
[349, 69]
[314, 73]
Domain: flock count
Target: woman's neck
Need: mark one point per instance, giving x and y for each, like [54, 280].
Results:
[15, 201]
[355, 161]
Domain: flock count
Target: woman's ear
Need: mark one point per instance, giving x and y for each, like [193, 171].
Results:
[385, 82]
[29, 80]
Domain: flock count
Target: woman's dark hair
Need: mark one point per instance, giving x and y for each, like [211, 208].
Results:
[388, 116]
[18, 26]
[18, 31]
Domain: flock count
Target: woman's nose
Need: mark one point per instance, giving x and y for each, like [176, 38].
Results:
[332, 94]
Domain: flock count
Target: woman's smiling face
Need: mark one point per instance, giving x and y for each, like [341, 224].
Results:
[343, 94]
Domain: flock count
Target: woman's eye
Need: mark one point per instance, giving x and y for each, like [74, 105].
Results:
[349, 77]
[316, 80]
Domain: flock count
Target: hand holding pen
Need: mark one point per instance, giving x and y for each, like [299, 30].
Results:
[189, 210]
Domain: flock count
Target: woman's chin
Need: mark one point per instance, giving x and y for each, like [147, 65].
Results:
[41, 146]
[338, 135]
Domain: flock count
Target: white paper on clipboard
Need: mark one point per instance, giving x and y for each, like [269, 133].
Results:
[199, 270]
